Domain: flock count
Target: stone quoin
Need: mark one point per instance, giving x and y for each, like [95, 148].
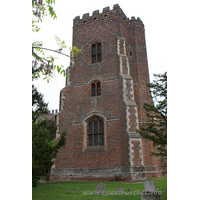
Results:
[101, 105]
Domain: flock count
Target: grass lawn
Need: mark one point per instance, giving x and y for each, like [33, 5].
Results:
[56, 190]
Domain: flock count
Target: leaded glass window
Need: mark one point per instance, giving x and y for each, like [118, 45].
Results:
[95, 127]
[96, 132]
[93, 89]
[93, 53]
[99, 57]
[101, 127]
[90, 127]
[96, 53]
[93, 49]
[95, 139]
[89, 140]
[96, 89]
[101, 139]
[98, 47]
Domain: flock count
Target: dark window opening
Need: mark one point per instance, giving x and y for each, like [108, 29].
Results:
[95, 139]
[96, 53]
[96, 89]
[101, 139]
[130, 53]
[98, 47]
[96, 132]
[106, 16]
[99, 57]
[93, 89]
[89, 140]
[95, 127]
[90, 127]
[101, 127]
[95, 19]
[84, 22]
[93, 48]
[94, 58]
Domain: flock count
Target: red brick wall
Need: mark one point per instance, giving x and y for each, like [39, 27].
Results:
[123, 92]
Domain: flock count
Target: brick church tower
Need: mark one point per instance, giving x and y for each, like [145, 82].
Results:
[101, 105]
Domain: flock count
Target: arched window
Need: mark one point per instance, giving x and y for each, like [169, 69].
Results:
[96, 89]
[93, 89]
[96, 53]
[95, 132]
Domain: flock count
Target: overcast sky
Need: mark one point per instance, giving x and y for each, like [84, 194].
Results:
[161, 20]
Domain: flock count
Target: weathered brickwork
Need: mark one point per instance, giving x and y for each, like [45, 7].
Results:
[122, 74]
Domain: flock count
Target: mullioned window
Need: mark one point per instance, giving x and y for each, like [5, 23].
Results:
[96, 53]
[96, 132]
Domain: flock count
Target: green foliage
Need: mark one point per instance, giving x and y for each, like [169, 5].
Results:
[74, 51]
[60, 43]
[45, 64]
[41, 9]
[155, 129]
[44, 148]
[39, 107]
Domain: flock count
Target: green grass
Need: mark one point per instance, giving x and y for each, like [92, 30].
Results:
[56, 190]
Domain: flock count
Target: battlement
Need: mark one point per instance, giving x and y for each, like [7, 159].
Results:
[106, 13]
[50, 114]
[53, 111]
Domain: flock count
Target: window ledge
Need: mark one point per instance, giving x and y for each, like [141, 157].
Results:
[95, 149]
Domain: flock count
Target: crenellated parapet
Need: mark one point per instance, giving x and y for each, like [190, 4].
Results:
[53, 112]
[50, 114]
[106, 13]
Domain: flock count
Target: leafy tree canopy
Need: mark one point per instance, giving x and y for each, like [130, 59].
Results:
[42, 62]
[44, 148]
[155, 129]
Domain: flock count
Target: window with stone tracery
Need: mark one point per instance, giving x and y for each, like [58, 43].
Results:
[95, 129]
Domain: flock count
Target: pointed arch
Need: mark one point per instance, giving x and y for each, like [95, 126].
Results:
[94, 131]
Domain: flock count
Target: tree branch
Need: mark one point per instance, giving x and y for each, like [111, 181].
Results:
[52, 50]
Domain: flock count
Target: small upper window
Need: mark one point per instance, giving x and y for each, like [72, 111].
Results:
[96, 89]
[96, 53]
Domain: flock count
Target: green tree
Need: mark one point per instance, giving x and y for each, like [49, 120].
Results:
[45, 63]
[44, 148]
[39, 107]
[155, 129]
